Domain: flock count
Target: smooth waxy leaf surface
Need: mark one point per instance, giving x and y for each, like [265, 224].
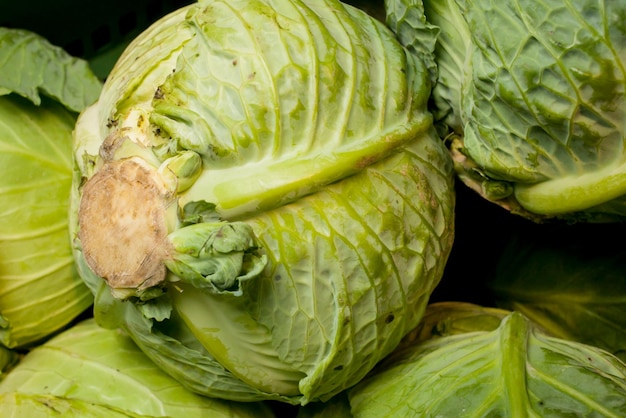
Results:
[40, 290]
[91, 371]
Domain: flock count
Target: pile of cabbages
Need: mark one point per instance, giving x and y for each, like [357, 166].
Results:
[309, 208]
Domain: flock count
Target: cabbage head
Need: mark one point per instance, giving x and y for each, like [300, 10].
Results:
[261, 200]
[42, 90]
[473, 361]
[530, 97]
[569, 279]
[89, 371]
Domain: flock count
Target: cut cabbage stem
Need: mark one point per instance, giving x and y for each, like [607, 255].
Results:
[573, 193]
[123, 227]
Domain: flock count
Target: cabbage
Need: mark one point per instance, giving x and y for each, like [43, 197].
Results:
[261, 199]
[476, 361]
[530, 97]
[91, 371]
[42, 89]
[569, 279]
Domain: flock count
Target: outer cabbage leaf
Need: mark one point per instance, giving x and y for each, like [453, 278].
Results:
[15, 404]
[283, 206]
[451, 53]
[91, 371]
[510, 370]
[569, 279]
[533, 93]
[40, 290]
[407, 20]
[31, 66]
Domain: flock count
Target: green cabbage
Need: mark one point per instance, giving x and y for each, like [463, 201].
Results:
[470, 361]
[569, 279]
[261, 200]
[41, 90]
[530, 96]
[89, 371]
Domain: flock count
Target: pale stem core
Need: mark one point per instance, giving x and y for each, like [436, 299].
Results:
[123, 229]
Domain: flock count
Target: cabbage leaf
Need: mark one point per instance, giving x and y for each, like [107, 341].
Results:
[40, 290]
[569, 279]
[30, 66]
[91, 371]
